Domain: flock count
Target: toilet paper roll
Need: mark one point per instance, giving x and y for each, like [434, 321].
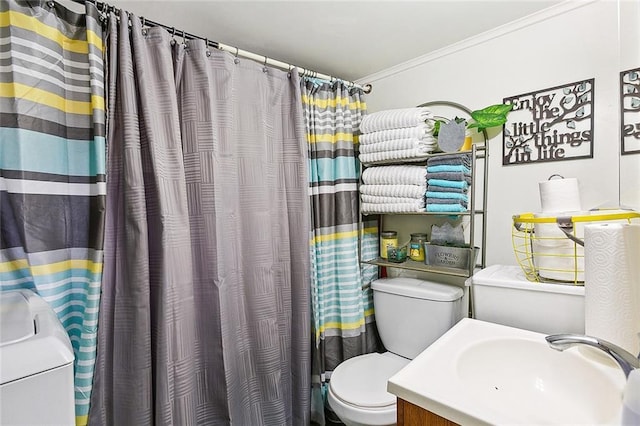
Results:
[557, 257]
[559, 195]
[612, 281]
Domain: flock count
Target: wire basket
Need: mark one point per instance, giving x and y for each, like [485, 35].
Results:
[551, 248]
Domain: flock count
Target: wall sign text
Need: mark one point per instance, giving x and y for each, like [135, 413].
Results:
[630, 111]
[554, 124]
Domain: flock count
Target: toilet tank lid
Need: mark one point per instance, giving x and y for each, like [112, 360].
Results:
[511, 276]
[418, 289]
[33, 340]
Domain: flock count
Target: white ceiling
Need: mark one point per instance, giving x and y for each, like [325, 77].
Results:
[345, 39]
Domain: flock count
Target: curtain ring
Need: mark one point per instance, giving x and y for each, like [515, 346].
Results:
[206, 43]
[264, 65]
[236, 60]
[102, 8]
[173, 36]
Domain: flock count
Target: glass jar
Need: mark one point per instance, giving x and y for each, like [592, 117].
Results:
[416, 246]
[387, 238]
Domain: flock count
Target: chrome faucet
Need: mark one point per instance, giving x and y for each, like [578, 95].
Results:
[627, 361]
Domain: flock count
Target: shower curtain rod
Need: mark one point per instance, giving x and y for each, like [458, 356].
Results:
[103, 7]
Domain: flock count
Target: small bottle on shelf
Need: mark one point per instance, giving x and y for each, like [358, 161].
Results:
[416, 246]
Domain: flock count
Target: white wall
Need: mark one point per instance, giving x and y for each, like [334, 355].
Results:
[567, 43]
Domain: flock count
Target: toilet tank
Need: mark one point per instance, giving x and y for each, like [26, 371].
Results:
[411, 313]
[501, 294]
[36, 363]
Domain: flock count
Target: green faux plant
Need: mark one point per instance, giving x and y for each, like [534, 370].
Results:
[491, 116]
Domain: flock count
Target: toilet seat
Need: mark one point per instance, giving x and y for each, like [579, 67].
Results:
[358, 389]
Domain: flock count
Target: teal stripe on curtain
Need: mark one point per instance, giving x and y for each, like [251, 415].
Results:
[342, 301]
[52, 168]
[57, 155]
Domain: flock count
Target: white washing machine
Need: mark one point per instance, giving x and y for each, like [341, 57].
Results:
[36, 363]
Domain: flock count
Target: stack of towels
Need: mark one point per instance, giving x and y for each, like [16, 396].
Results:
[393, 189]
[448, 180]
[397, 134]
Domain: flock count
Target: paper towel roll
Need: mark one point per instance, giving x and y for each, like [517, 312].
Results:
[559, 195]
[612, 283]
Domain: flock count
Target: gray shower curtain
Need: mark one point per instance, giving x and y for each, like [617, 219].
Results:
[205, 309]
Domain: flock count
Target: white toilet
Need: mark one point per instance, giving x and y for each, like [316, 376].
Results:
[410, 315]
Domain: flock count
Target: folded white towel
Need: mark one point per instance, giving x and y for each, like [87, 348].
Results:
[422, 130]
[376, 199]
[394, 119]
[411, 154]
[391, 208]
[407, 191]
[393, 175]
[425, 145]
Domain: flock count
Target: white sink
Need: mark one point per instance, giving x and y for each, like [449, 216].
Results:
[485, 373]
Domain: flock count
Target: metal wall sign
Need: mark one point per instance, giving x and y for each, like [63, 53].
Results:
[553, 124]
[630, 111]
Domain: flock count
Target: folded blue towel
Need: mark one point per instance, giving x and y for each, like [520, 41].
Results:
[447, 201]
[448, 168]
[446, 208]
[448, 195]
[437, 188]
[460, 176]
[464, 159]
[448, 183]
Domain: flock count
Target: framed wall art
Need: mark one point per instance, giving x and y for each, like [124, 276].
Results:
[554, 124]
[630, 111]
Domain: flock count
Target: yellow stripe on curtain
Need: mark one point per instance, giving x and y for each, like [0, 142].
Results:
[343, 102]
[31, 23]
[22, 91]
[53, 268]
[14, 265]
[335, 236]
[330, 137]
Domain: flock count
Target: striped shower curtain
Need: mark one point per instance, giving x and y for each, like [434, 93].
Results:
[52, 167]
[342, 300]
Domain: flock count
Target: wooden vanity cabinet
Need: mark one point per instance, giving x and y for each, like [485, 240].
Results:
[411, 415]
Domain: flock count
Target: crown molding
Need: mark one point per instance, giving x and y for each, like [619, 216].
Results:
[500, 31]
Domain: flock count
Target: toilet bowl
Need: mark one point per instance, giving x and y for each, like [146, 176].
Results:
[410, 315]
[358, 389]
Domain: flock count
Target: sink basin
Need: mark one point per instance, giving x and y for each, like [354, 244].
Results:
[485, 373]
[538, 381]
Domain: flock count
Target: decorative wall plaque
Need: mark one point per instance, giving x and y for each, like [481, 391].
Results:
[630, 111]
[550, 125]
